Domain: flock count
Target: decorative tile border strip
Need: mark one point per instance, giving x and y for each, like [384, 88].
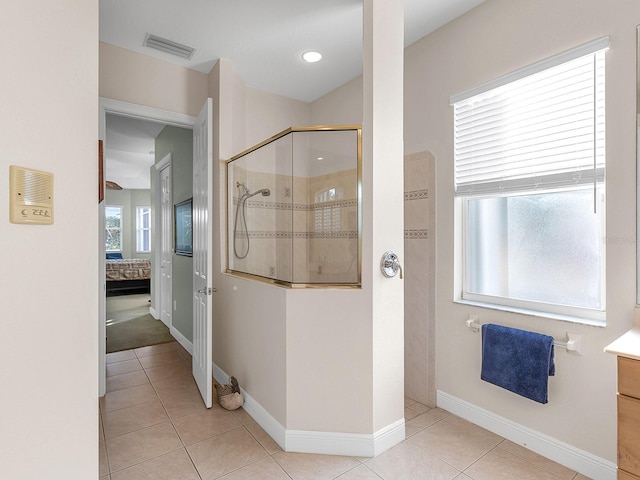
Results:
[286, 234]
[416, 195]
[298, 206]
[416, 234]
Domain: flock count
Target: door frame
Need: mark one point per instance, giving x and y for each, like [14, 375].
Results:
[157, 238]
[117, 107]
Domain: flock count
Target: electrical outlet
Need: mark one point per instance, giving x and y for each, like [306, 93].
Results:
[287, 192]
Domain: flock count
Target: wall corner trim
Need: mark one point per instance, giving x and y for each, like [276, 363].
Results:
[329, 443]
[571, 457]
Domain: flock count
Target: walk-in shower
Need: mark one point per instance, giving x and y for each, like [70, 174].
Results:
[293, 208]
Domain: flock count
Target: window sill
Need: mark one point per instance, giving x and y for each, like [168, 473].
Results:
[534, 313]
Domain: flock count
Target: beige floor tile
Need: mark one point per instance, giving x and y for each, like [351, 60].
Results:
[172, 466]
[550, 466]
[462, 476]
[407, 461]
[175, 383]
[409, 414]
[268, 443]
[103, 460]
[314, 467]
[126, 380]
[134, 418]
[359, 473]
[502, 465]
[455, 441]
[243, 416]
[417, 407]
[153, 350]
[120, 356]
[165, 358]
[106, 477]
[204, 424]
[225, 453]
[265, 469]
[424, 420]
[142, 445]
[169, 371]
[100, 427]
[123, 367]
[182, 351]
[127, 397]
[181, 402]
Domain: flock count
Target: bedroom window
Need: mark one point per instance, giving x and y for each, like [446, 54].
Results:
[529, 185]
[113, 220]
[143, 229]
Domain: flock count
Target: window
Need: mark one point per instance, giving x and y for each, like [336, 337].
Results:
[143, 229]
[327, 211]
[529, 179]
[113, 220]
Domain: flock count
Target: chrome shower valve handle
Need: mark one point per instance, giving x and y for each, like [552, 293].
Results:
[390, 264]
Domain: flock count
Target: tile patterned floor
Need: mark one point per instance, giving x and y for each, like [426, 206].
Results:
[153, 425]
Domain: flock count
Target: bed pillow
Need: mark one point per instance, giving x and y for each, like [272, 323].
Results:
[114, 256]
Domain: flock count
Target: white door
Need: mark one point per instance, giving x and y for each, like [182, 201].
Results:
[202, 245]
[166, 247]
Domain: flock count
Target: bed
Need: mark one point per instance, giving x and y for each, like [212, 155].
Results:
[130, 275]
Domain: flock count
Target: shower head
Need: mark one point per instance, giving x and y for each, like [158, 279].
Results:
[265, 193]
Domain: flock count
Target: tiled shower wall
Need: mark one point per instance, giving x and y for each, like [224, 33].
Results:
[419, 269]
[294, 236]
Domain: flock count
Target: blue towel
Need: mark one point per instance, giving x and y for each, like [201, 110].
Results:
[517, 360]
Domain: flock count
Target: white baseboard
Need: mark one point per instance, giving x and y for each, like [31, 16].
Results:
[269, 424]
[152, 312]
[182, 340]
[349, 444]
[329, 443]
[571, 457]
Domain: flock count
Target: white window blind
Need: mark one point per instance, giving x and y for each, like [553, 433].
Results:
[543, 130]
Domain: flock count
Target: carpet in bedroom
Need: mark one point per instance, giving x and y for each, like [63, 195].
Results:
[130, 326]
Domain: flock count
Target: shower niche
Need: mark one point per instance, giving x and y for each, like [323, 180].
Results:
[293, 208]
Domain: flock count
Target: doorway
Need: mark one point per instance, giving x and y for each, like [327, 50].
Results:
[129, 154]
[116, 108]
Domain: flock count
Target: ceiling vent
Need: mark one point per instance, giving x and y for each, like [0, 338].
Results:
[169, 46]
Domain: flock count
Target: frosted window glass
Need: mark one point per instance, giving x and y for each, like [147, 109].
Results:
[539, 248]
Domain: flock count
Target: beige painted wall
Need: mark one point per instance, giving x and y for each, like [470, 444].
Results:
[49, 286]
[131, 77]
[495, 38]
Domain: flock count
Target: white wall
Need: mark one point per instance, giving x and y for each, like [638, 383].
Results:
[49, 286]
[495, 38]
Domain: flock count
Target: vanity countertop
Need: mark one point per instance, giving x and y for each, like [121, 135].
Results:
[628, 345]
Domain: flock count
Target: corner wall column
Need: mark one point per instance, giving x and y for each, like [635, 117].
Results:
[383, 201]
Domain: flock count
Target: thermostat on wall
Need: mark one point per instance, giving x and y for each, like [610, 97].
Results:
[31, 196]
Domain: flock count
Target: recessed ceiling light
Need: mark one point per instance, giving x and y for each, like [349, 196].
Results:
[311, 57]
[320, 158]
